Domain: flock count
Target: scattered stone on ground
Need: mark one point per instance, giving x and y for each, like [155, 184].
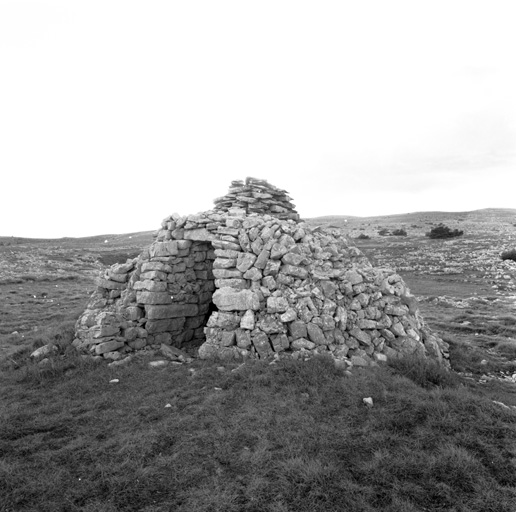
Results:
[44, 351]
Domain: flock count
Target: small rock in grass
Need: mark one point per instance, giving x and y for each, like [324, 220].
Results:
[45, 350]
[158, 364]
[368, 401]
[121, 362]
[174, 353]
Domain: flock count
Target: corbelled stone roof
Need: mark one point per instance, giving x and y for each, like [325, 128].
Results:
[247, 279]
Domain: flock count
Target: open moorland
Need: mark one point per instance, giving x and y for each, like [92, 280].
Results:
[76, 435]
[47, 281]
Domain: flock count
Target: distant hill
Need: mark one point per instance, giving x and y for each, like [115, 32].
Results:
[483, 216]
[144, 238]
[137, 239]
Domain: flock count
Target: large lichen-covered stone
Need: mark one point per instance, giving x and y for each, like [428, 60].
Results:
[228, 299]
[198, 234]
[108, 346]
[164, 325]
[277, 305]
[160, 249]
[248, 320]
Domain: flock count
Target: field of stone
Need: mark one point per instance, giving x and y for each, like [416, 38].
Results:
[464, 266]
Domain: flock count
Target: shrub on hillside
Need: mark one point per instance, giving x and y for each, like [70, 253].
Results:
[442, 231]
[399, 232]
[509, 255]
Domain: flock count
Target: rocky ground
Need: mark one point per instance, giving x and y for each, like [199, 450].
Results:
[43, 282]
[461, 266]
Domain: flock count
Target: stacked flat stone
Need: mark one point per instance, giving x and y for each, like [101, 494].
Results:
[258, 196]
[235, 285]
[163, 299]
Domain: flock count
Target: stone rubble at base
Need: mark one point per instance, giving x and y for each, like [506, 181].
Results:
[247, 279]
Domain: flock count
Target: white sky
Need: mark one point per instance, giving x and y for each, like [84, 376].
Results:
[117, 113]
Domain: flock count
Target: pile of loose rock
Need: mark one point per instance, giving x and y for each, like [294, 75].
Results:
[258, 196]
[238, 284]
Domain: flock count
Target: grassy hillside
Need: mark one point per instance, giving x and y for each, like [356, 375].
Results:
[287, 436]
[290, 436]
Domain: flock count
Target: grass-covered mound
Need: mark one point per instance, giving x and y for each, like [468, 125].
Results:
[292, 436]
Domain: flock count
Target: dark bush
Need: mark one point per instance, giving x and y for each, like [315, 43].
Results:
[509, 255]
[399, 232]
[442, 231]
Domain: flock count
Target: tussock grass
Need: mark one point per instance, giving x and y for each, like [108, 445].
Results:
[425, 373]
[466, 356]
[507, 348]
[292, 436]
[59, 335]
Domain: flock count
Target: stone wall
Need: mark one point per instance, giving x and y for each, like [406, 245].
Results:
[163, 296]
[238, 284]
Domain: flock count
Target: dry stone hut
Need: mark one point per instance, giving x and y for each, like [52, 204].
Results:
[248, 279]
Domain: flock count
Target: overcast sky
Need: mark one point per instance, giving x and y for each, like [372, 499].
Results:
[117, 113]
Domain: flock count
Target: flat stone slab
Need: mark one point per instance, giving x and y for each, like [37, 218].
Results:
[229, 299]
[156, 312]
[200, 235]
[165, 325]
[160, 249]
[109, 285]
[154, 298]
[108, 346]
